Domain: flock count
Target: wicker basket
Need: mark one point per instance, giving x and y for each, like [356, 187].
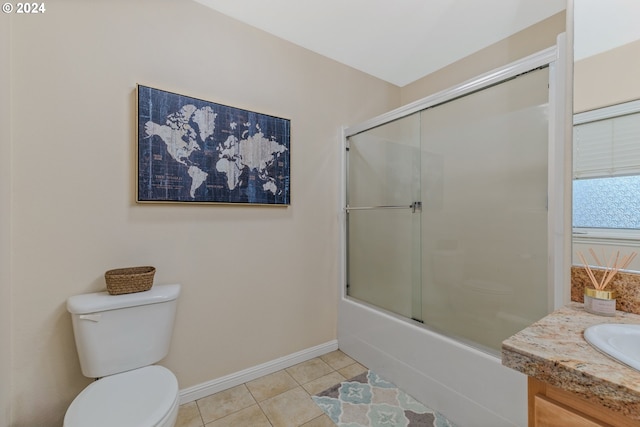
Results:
[129, 280]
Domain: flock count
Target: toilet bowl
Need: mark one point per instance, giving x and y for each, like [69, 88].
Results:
[119, 338]
[144, 397]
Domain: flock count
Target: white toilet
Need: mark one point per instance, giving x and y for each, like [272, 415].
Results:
[119, 338]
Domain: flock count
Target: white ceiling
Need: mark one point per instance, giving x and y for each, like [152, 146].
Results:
[403, 40]
[397, 41]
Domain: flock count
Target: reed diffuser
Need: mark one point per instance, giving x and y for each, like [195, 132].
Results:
[597, 299]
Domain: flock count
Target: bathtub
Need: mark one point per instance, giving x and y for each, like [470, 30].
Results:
[470, 387]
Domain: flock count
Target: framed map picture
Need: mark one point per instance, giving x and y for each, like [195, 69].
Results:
[195, 151]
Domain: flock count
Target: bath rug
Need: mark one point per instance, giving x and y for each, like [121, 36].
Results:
[370, 401]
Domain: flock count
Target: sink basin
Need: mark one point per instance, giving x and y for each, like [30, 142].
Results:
[618, 340]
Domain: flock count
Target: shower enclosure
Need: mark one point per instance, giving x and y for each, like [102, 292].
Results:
[454, 235]
[447, 209]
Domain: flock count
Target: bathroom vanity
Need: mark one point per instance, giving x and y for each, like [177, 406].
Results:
[570, 382]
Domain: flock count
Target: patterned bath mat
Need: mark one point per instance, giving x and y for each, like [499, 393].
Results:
[369, 401]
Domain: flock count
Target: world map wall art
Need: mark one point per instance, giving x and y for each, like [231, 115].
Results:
[195, 151]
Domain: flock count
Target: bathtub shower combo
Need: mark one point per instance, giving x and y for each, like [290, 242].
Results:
[452, 231]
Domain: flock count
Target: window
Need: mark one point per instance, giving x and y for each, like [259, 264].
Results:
[612, 202]
[606, 171]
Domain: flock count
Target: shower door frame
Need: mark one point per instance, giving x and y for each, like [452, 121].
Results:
[558, 276]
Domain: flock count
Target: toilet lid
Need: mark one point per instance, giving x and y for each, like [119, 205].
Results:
[137, 398]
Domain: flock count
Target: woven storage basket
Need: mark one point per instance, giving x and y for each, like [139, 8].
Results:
[129, 280]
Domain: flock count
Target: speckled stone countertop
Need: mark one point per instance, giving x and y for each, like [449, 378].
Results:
[554, 350]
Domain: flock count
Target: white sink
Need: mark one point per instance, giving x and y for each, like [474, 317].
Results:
[618, 340]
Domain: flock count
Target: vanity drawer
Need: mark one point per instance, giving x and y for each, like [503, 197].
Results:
[553, 407]
[549, 413]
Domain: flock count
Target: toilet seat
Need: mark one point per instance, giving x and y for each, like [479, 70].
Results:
[144, 397]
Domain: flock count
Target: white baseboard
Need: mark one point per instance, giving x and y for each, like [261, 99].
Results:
[214, 386]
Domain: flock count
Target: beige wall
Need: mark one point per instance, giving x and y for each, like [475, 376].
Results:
[258, 283]
[608, 78]
[5, 225]
[526, 42]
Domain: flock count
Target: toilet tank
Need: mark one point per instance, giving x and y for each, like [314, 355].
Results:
[117, 333]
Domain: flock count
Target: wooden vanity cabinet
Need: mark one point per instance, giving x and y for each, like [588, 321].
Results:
[550, 406]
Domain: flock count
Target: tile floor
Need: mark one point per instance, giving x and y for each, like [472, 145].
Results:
[281, 399]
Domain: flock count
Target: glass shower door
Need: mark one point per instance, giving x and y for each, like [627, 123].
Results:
[383, 217]
[484, 193]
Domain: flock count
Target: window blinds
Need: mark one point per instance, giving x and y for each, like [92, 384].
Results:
[609, 147]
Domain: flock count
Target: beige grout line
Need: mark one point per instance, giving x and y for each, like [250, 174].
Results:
[199, 413]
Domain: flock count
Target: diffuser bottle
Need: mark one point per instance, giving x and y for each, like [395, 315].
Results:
[601, 302]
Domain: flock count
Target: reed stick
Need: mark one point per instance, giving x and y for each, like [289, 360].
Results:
[614, 264]
[593, 254]
[588, 269]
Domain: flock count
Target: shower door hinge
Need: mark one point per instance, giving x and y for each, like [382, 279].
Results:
[416, 207]
[347, 145]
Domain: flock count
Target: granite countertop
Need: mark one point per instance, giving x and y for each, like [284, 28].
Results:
[554, 350]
